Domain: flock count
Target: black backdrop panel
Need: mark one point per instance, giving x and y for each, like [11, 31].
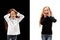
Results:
[21, 6]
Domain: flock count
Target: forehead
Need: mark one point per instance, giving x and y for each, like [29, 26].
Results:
[46, 8]
[12, 12]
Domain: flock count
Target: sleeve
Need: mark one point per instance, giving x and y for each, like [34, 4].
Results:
[20, 17]
[6, 17]
[53, 19]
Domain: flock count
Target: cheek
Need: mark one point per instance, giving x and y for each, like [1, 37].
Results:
[15, 15]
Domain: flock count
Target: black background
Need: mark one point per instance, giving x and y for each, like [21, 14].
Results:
[21, 6]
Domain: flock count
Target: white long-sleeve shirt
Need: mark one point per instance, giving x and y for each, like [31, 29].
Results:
[13, 24]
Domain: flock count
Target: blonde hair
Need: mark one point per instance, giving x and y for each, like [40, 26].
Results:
[43, 13]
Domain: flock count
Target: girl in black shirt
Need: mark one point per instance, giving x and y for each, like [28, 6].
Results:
[46, 21]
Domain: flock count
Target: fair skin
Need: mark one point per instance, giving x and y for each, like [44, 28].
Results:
[46, 12]
[13, 14]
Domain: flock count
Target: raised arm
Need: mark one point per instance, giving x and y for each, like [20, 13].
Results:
[6, 17]
[53, 19]
[20, 17]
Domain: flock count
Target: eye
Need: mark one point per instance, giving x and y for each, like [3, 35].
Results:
[44, 10]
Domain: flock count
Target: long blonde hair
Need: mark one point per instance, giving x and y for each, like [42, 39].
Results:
[43, 13]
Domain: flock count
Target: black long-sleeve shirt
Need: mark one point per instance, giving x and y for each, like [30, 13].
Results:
[47, 24]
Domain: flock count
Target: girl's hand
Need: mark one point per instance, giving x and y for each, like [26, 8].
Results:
[45, 15]
[49, 15]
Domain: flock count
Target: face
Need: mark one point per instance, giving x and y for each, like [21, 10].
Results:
[46, 11]
[13, 14]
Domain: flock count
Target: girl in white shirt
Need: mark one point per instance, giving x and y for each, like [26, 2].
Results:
[13, 18]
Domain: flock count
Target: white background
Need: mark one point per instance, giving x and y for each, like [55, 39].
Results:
[36, 7]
